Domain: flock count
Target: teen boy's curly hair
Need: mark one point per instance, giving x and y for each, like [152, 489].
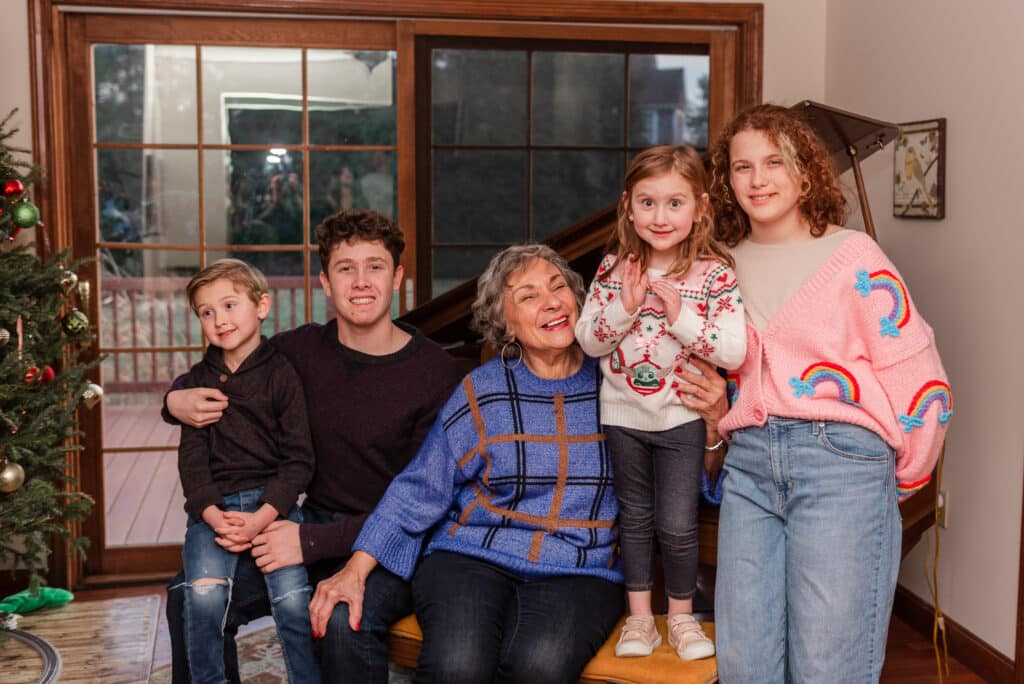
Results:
[362, 225]
[821, 199]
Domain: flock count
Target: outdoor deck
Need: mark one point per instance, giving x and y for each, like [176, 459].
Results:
[144, 502]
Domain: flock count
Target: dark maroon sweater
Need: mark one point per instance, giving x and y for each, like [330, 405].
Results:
[368, 416]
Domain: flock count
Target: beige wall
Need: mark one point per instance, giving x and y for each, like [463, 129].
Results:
[920, 59]
[902, 62]
[16, 91]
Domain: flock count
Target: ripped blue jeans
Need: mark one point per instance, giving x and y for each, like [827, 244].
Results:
[206, 605]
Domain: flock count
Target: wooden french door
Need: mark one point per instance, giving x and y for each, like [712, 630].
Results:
[197, 139]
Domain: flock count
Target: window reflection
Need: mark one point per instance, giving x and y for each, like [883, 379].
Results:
[144, 93]
[252, 96]
[577, 98]
[668, 100]
[147, 196]
[351, 97]
[351, 180]
[254, 197]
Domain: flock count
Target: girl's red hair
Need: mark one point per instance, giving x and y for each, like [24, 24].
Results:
[821, 198]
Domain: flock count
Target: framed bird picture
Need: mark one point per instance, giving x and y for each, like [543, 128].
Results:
[919, 178]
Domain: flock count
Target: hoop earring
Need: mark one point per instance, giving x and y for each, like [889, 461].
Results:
[505, 356]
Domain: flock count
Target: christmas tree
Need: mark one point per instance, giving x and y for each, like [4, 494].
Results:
[42, 382]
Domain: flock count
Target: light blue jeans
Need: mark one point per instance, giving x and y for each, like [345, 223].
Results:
[808, 554]
[206, 606]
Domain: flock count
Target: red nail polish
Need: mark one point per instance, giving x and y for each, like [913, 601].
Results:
[357, 627]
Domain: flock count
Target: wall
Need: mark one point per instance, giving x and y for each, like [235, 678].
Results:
[904, 62]
[16, 92]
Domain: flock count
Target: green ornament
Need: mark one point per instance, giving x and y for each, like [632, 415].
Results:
[25, 214]
[74, 323]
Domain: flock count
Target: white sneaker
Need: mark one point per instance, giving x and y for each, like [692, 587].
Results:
[688, 639]
[639, 637]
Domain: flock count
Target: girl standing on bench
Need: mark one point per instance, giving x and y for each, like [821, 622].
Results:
[841, 407]
[664, 291]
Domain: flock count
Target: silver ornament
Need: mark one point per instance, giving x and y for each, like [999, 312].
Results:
[92, 394]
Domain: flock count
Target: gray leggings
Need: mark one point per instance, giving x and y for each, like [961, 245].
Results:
[657, 482]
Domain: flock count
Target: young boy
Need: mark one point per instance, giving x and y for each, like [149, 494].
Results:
[244, 471]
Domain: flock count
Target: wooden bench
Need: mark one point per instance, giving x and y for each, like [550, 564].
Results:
[405, 640]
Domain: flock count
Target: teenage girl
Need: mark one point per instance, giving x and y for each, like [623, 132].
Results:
[839, 409]
[663, 292]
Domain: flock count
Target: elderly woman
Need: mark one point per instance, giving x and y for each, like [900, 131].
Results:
[511, 495]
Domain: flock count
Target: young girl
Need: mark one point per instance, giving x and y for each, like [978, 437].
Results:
[664, 291]
[841, 408]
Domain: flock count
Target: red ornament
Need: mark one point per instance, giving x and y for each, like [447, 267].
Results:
[13, 187]
[32, 374]
[47, 374]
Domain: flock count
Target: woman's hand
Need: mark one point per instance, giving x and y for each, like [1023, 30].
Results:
[198, 407]
[346, 586]
[704, 393]
[634, 284]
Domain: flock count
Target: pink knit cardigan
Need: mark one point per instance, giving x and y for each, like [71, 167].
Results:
[850, 346]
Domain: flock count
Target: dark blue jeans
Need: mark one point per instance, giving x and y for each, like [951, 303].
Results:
[482, 623]
[657, 482]
[344, 655]
[206, 605]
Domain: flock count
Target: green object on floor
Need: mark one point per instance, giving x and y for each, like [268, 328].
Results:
[24, 601]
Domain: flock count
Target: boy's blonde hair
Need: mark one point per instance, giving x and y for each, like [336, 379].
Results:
[245, 276]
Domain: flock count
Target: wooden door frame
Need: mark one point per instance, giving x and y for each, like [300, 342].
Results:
[51, 74]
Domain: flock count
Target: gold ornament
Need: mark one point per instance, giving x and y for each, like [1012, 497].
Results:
[12, 476]
[68, 282]
[92, 395]
[5, 336]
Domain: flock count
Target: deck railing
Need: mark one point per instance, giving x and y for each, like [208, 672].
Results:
[151, 335]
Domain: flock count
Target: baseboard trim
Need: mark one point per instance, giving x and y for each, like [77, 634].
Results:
[985, 661]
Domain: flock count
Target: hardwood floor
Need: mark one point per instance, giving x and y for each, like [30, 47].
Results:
[909, 656]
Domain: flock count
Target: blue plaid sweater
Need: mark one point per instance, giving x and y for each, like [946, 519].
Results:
[514, 472]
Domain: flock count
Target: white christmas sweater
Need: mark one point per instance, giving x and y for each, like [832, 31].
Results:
[639, 350]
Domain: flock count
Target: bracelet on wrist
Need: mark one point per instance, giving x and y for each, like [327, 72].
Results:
[716, 446]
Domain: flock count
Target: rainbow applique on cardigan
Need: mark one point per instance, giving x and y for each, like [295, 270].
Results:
[826, 356]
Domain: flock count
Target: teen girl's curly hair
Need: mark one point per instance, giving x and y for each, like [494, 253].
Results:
[700, 243]
[808, 162]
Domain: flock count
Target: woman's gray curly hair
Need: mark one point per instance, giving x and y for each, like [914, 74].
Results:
[489, 306]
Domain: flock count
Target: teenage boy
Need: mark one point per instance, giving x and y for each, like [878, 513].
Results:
[373, 388]
[244, 471]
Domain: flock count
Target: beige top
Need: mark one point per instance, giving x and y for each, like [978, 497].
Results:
[769, 274]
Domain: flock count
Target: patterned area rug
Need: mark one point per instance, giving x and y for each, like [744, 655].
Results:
[98, 641]
[260, 662]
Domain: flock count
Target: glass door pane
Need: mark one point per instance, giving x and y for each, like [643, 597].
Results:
[189, 173]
